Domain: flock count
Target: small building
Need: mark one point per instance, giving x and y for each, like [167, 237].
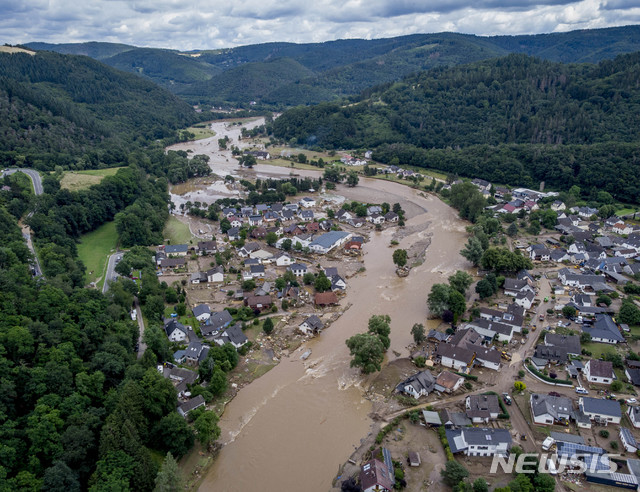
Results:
[176, 249]
[258, 303]
[477, 441]
[175, 330]
[198, 278]
[447, 382]
[298, 269]
[215, 274]
[414, 458]
[599, 371]
[283, 260]
[192, 404]
[206, 247]
[628, 441]
[482, 408]
[232, 335]
[634, 415]
[601, 411]
[604, 330]
[202, 312]
[376, 477]
[432, 419]
[216, 323]
[548, 410]
[312, 325]
[420, 384]
[453, 420]
[325, 299]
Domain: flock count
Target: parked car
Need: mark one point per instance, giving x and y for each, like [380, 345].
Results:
[631, 401]
[582, 391]
[506, 398]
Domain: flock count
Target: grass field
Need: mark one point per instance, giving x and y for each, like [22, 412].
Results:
[176, 232]
[202, 132]
[79, 180]
[95, 247]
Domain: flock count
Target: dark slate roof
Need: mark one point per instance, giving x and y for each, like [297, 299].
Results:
[552, 405]
[201, 309]
[478, 435]
[455, 353]
[634, 376]
[216, 322]
[551, 353]
[570, 343]
[600, 368]
[565, 437]
[604, 327]
[314, 322]
[419, 381]
[438, 335]
[236, 335]
[458, 419]
[172, 324]
[193, 403]
[601, 407]
[482, 406]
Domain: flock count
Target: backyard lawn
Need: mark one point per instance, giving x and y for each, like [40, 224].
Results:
[176, 232]
[95, 247]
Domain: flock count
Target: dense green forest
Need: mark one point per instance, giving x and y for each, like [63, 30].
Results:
[331, 70]
[76, 112]
[515, 120]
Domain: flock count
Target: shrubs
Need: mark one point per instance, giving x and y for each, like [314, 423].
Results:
[604, 433]
[445, 444]
[467, 376]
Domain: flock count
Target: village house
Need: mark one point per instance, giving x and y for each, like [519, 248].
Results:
[491, 329]
[604, 330]
[570, 343]
[634, 415]
[391, 217]
[550, 410]
[311, 326]
[600, 411]
[198, 278]
[247, 249]
[633, 375]
[512, 287]
[283, 260]
[482, 408]
[328, 241]
[447, 382]
[298, 269]
[232, 335]
[202, 312]
[457, 358]
[325, 299]
[258, 303]
[553, 355]
[525, 299]
[176, 249]
[307, 202]
[628, 441]
[172, 263]
[454, 420]
[216, 323]
[375, 476]
[192, 404]
[599, 371]
[234, 233]
[193, 351]
[206, 247]
[175, 330]
[215, 274]
[420, 384]
[257, 271]
[477, 441]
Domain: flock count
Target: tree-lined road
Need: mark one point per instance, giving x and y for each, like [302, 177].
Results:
[36, 182]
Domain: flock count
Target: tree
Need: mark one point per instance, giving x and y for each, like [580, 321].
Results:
[480, 485]
[585, 337]
[629, 313]
[521, 484]
[460, 281]
[173, 434]
[438, 299]
[569, 311]
[454, 473]
[322, 283]
[308, 278]
[457, 303]
[352, 179]
[267, 326]
[367, 351]
[332, 174]
[206, 426]
[168, 478]
[512, 230]
[484, 289]
[473, 250]
[271, 238]
[544, 482]
[218, 382]
[60, 478]
[400, 257]
[418, 333]
[286, 244]
[519, 386]
[379, 325]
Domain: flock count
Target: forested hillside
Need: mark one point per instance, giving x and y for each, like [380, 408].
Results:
[335, 69]
[72, 110]
[513, 120]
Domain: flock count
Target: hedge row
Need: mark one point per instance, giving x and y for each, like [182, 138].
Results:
[467, 376]
[443, 439]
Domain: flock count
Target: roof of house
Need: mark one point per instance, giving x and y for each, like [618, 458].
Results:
[235, 334]
[482, 406]
[600, 368]
[478, 435]
[447, 379]
[420, 381]
[313, 322]
[329, 239]
[466, 336]
[201, 309]
[191, 404]
[601, 407]
[455, 353]
[207, 245]
[514, 284]
[556, 406]
[459, 419]
[552, 353]
[214, 270]
[325, 298]
[375, 472]
[438, 335]
[219, 319]
[431, 417]
[172, 324]
[628, 437]
[634, 376]
[297, 266]
[193, 350]
[605, 328]
[255, 300]
[566, 437]
[176, 248]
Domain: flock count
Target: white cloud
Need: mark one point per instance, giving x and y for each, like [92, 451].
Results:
[214, 24]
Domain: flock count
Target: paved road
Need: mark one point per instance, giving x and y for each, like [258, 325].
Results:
[36, 182]
[111, 272]
[141, 346]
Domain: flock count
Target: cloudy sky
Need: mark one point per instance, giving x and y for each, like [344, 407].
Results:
[208, 24]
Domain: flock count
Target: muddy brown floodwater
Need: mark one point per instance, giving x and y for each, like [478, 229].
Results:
[293, 427]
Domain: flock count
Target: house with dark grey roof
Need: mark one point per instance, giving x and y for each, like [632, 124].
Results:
[604, 330]
[513, 286]
[216, 323]
[202, 312]
[215, 274]
[454, 419]
[599, 371]
[477, 441]
[312, 325]
[175, 330]
[438, 336]
[206, 247]
[553, 355]
[232, 335]
[492, 329]
[192, 404]
[458, 358]
[548, 410]
[600, 411]
[634, 415]
[192, 352]
[420, 384]
[176, 249]
[569, 343]
[633, 375]
[298, 269]
[482, 408]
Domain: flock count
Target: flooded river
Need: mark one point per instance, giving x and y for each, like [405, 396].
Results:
[292, 428]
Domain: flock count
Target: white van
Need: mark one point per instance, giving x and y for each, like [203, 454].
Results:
[582, 391]
[547, 443]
